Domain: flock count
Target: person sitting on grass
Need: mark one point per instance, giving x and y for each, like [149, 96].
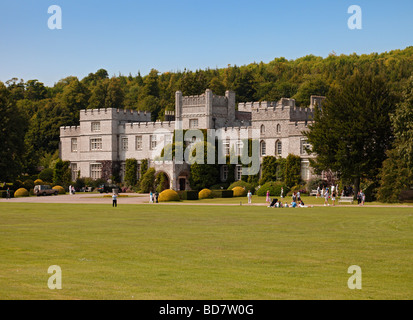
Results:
[302, 205]
[293, 204]
[272, 205]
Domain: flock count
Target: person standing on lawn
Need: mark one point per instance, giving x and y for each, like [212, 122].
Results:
[114, 200]
[249, 196]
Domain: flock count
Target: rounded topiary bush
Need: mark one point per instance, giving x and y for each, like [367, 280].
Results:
[28, 184]
[205, 194]
[38, 182]
[60, 189]
[274, 188]
[22, 192]
[247, 186]
[239, 192]
[168, 195]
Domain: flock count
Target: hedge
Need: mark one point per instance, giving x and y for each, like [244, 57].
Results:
[3, 194]
[247, 186]
[239, 192]
[22, 192]
[188, 195]
[168, 195]
[60, 189]
[222, 193]
[274, 188]
[38, 182]
[205, 194]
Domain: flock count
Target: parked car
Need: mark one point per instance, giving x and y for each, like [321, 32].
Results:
[106, 188]
[44, 190]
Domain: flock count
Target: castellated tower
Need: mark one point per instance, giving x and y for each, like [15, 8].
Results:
[207, 111]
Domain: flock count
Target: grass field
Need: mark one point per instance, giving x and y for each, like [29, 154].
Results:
[204, 252]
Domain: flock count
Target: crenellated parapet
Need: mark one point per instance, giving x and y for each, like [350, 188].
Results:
[148, 127]
[284, 109]
[192, 101]
[114, 114]
[69, 131]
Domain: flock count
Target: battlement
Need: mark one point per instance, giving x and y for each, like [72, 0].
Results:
[190, 101]
[156, 124]
[69, 131]
[219, 101]
[114, 114]
[149, 126]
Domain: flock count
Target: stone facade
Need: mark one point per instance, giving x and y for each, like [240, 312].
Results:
[105, 138]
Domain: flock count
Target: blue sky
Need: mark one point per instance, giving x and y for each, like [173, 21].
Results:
[127, 36]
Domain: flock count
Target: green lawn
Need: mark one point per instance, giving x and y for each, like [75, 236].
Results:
[308, 200]
[204, 252]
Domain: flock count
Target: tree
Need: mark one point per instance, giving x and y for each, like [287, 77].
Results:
[397, 172]
[269, 169]
[114, 95]
[148, 181]
[203, 175]
[131, 172]
[62, 174]
[352, 132]
[292, 170]
[402, 121]
[12, 131]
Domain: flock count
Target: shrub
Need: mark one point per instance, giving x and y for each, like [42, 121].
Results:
[22, 192]
[314, 183]
[274, 188]
[17, 184]
[161, 182]
[239, 192]
[220, 186]
[3, 194]
[299, 188]
[222, 193]
[247, 186]
[46, 175]
[60, 189]
[147, 182]
[188, 195]
[28, 184]
[38, 182]
[131, 172]
[168, 195]
[292, 170]
[205, 194]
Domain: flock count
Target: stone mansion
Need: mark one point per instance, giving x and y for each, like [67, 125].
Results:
[105, 138]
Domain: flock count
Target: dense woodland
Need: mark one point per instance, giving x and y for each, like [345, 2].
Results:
[32, 113]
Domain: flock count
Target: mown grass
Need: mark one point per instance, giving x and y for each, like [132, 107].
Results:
[308, 200]
[204, 252]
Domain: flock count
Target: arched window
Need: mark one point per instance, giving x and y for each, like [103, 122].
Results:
[278, 148]
[262, 129]
[263, 148]
[278, 128]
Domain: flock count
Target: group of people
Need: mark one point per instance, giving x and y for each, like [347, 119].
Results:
[361, 198]
[278, 204]
[296, 201]
[72, 189]
[325, 193]
[153, 197]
